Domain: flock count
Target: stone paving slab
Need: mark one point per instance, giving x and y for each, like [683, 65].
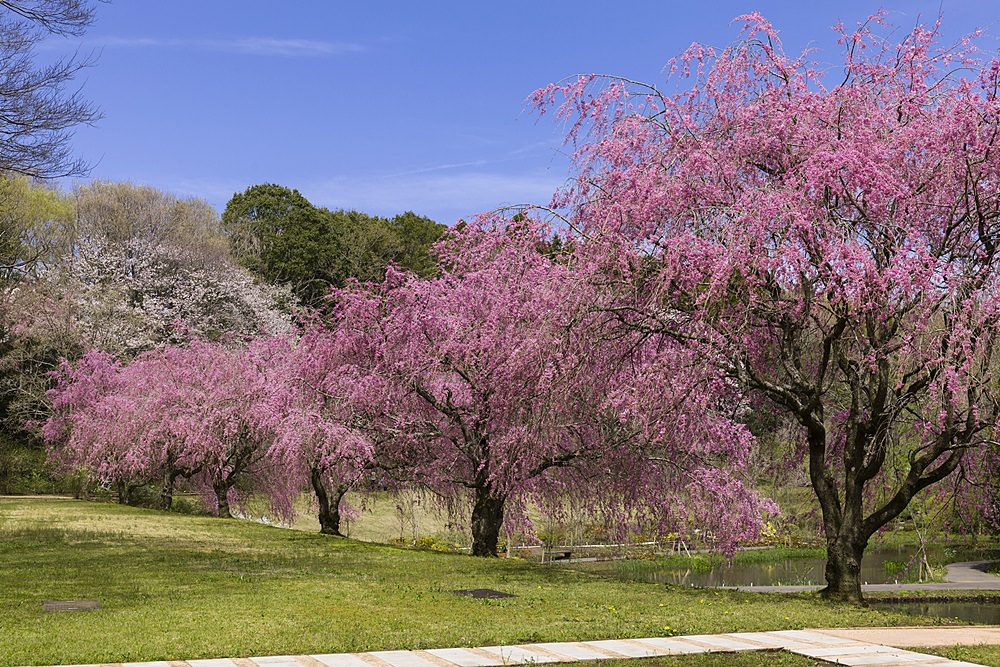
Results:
[463, 657]
[519, 654]
[624, 647]
[341, 660]
[920, 636]
[400, 658]
[724, 643]
[768, 640]
[672, 646]
[813, 637]
[848, 646]
[577, 650]
[278, 661]
[868, 655]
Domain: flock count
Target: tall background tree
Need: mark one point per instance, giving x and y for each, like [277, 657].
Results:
[829, 245]
[277, 234]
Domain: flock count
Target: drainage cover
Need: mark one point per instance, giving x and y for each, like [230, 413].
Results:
[481, 593]
[70, 605]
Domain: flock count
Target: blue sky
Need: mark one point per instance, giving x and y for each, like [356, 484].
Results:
[390, 106]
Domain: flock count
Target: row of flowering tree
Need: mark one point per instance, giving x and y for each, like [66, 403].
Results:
[766, 235]
[496, 383]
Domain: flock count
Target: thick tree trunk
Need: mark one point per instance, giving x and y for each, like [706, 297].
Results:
[167, 491]
[843, 570]
[329, 508]
[121, 492]
[843, 518]
[487, 518]
[222, 498]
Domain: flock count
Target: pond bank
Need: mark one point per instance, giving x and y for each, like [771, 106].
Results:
[967, 576]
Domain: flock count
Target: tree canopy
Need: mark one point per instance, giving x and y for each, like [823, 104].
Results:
[279, 235]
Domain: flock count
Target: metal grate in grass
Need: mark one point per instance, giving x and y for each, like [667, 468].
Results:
[483, 593]
[70, 605]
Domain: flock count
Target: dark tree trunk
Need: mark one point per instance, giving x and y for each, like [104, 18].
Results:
[487, 519]
[222, 498]
[844, 522]
[329, 507]
[843, 516]
[167, 491]
[843, 571]
[121, 492]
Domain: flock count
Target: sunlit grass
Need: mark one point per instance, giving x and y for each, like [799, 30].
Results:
[175, 586]
[980, 655]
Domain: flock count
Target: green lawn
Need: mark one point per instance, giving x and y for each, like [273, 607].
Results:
[173, 586]
[981, 655]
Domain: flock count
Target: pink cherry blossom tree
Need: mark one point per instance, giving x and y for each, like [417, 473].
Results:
[323, 400]
[198, 412]
[825, 239]
[500, 387]
[86, 405]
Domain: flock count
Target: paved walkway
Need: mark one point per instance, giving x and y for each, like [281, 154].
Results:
[863, 646]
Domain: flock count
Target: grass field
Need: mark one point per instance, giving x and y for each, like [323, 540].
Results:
[174, 586]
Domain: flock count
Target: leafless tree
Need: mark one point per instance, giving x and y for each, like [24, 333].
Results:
[37, 111]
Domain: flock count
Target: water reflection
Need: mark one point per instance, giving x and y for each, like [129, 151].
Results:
[987, 612]
[879, 566]
[788, 572]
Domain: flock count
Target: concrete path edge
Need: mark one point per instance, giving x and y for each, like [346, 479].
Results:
[844, 646]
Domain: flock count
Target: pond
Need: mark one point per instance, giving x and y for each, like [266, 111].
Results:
[880, 566]
[975, 611]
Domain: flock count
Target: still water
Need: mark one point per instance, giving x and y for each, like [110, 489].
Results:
[987, 612]
[807, 571]
[788, 572]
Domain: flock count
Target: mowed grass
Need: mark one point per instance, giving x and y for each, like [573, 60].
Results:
[979, 655]
[175, 586]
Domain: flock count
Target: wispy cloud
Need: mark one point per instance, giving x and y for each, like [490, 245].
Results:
[513, 155]
[251, 46]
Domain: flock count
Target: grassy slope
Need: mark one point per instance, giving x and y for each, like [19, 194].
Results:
[174, 586]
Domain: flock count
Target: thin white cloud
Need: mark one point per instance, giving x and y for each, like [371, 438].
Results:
[513, 155]
[252, 46]
[441, 167]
